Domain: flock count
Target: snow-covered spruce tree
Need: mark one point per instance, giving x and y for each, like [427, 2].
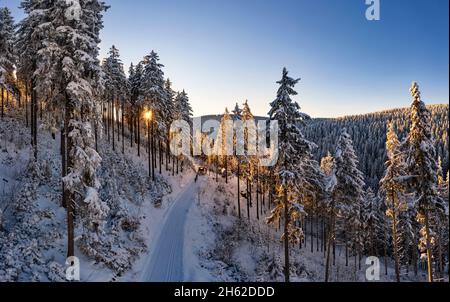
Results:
[327, 164]
[439, 222]
[136, 101]
[374, 224]
[115, 90]
[169, 116]
[249, 162]
[369, 221]
[237, 112]
[183, 110]
[154, 96]
[292, 147]
[68, 57]
[347, 196]
[28, 40]
[224, 140]
[152, 87]
[131, 102]
[370, 137]
[236, 160]
[392, 186]
[311, 188]
[422, 168]
[7, 56]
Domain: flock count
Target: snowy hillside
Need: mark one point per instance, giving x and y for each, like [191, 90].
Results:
[369, 133]
[105, 176]
[33, 225]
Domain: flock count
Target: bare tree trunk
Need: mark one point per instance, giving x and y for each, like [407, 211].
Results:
[257, 192]
[394, 233]
[226, 169]
[139, 132]
[96, 135]
[331, 239]
[316, 217]
[428, 246]
[41, 109]
[123, 127]
[312, 233]
[113, 123]
[238, 188]
[168, 149]
[385, 260]
[131, 125]
[346, 248]
[286, 237]
[248, 199]
[160, 156]
[150, 160]
[173, 166]
[26, 103]
[3, 105]
[63, 161]
[152, 150]
[35, 111]
[67, 195]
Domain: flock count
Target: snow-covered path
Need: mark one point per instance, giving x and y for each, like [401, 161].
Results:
[166, 260]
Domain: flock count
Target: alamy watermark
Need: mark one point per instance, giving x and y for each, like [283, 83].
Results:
[230, 138]
[373, 11]
[373, 271]
[73, 269]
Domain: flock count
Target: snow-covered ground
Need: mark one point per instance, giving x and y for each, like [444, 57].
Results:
[33, 222]
[195, 235]
[220, 247]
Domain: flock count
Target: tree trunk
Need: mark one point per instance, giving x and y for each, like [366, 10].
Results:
[67, 194]
[3, 105]
[63, 162]
[35, 111]
[316, 218]
[160, 156]
[331, 236]
[152, 150]
[26, 104]
[311, 220]
[346, 248]
[149, 146]
[123, 127]
[248, 199]
[96, 135]
[239, 189]
[428, 246]
[286, 236]
[131, 125]
[168, 149]
[113, 124]
[226, 169]
[385, 260]
[139, 132]
[394, 235]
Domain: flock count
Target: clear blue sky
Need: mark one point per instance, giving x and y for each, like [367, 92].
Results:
[226, 51]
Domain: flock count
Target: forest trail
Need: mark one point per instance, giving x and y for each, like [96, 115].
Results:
[166, 260]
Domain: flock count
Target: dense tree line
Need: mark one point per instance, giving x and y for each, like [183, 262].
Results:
[381, 188]
[51, 73]
[402, 212]
[369, 134]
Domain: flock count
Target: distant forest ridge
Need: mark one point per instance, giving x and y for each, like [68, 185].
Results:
[368, 132]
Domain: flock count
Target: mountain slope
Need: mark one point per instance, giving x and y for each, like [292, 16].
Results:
[369, 134]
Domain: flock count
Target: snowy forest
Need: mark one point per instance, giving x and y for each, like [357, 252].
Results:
[88, 174]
